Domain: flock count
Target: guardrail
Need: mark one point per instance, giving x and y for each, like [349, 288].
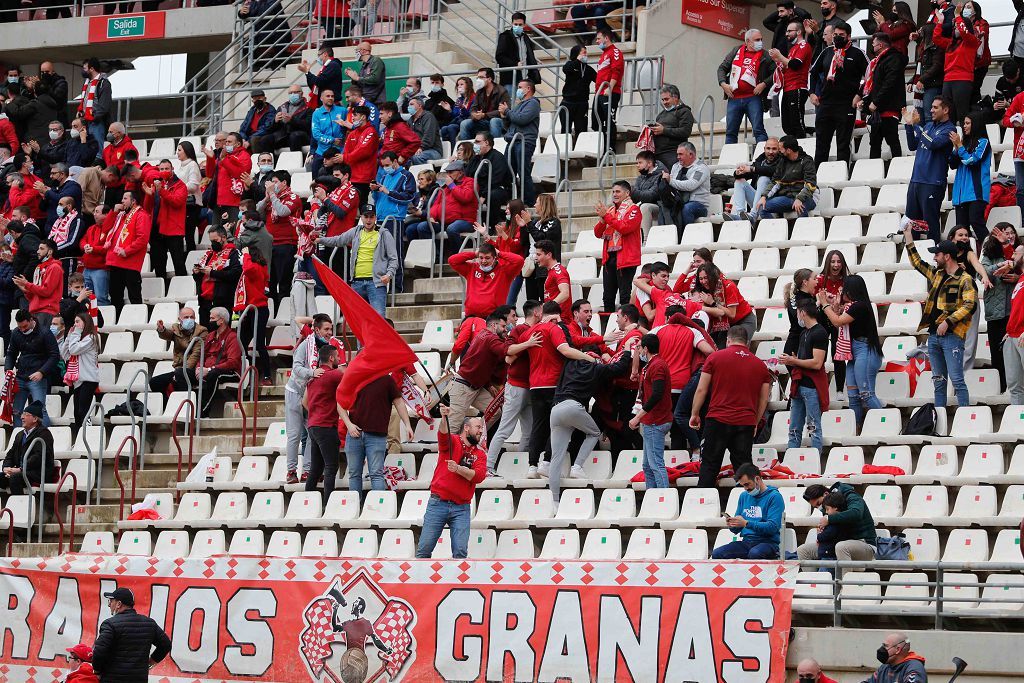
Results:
[74, 511]
[32, 490]
[198, 393]
[10, 530]
[133, 460]
[95, 407]
[255, 405]
[145, 411]
[255, 330]
[192, 422]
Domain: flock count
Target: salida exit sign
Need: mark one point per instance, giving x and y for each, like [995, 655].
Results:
[142, 26]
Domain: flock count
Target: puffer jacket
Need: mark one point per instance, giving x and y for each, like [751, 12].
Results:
[856, 518]
[794, 179]
[678, 122]
[121, 652]
[26, 257]
[180, 341]
[649, 187]
[459, 202]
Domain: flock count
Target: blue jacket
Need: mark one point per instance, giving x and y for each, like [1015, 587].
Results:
[933, 147]
[374, 119]
[973, 180]
[70, 188]
[401, 190]
[763, 512]
[265, 122]
[324, 128]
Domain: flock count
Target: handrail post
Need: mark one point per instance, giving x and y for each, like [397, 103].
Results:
[518, 190]
[31, 489]
[60, 518]
[145, 410]
[476, 189]
[255, 331]
[188, 380]
[117, 471]
[10, 530]
[191, 427]
[438, 237]
[94, 408]
[241, 403]
[708, 99]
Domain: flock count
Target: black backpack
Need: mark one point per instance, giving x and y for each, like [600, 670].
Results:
[922, 422]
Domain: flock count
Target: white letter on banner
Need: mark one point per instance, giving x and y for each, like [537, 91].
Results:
[16, 593]
[747, 644]
[103, 613]
[200, 660]
[565, 634]
[692, 657]
[616, 634]
[456, 604]
[515, 640]
[63, 627]
[158, 597]
[250, 631]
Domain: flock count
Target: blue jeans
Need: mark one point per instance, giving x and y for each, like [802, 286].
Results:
[372, 294]
[595, 10]
[777, 206]
[746, 195]
[469, 128]
[98, 132]
[359, 449]
[98, 281]
[438, 513]
[736, 109]
[513, 290]
[655, 476]
[306, 266]
[37, 390]
[805, 406]
[451, 132]
[927, 97]
[421, 231]
[746, 549]
[690, 212]
[425, 156]
[454, 232]
[861, 373]
[512, 154]
[684, 405]
[946, 354]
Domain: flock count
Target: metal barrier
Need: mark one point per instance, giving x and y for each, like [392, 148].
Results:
[188, 379]
[241, 402]
[133, 459]
[145, 411]
[255, 330]
[10, 530]
[562, 182]
[707, 146]
[32, 491]
[607, 149]
[476, 190]
[442, 234]
[518, 191]
[74, 511]
[93, 407]
[191, 441]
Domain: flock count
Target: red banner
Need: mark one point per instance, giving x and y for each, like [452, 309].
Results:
[277, 619]
[727, 17]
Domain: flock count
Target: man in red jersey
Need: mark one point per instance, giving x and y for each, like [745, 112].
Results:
[661, 296]
[608, 86]
[619, 228]
[581, 334]
[360, 153]
[557, 286]
[126, 250]
[792, 70]
[279, 206]
[489, 275]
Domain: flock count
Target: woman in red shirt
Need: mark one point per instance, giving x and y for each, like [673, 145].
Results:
[684, 283]
[23, 192]
[252, 291]
[899, 26]
[722, 302]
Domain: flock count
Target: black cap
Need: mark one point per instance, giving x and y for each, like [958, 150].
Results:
[34, 408]
[258, 92]
[945, 247]
[367, 209]
[122, 595]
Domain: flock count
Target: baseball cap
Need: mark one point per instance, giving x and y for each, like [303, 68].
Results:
[258, 93]
[945, 247]
[456, 165]
[367, 210]
[122, 595]
[82, 651]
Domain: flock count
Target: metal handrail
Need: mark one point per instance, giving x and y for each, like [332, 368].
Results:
[10, 530]
[188, 380]
[42, 482]
[191, 441]
[241, 403]
[255, 330]
[441, 234]
[396, 233]
[117, 471]
[706, 146]
[518, 192]
[562, 168]
[95, 407]
[60, 518]
[476, 189]
[606, 144]
[145, 410]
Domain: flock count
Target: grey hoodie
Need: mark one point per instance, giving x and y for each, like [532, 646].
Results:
[385, 256]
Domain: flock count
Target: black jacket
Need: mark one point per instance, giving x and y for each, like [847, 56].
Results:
[933, 66]
[125, 644]
[506, 54]
[678, 122]
[40, 456]
[761, 167]
[842, 89]
[774, 23]
[433, 105]
[579, 76]
[794, 179]
[648, 188]
[497, 168]
[26, 257]
[32, 116]
[225, 281]
[70, 307]
[78, 153]
[57, 86]
[888, 91]
[52, 153]
[331, 77]
[580, 378]
[1018, 23]
[35, 351]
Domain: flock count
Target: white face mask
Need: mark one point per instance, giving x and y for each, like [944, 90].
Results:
[229, 148]
[968, 13]
[479, 84]
[758, 45]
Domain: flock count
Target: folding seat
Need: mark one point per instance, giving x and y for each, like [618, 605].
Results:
[779, 437]
[1008, 214]
[534, 506]
[699, 507]
[895, 349]
[626, 467]
[907, 590]
[438, 335]
[860, 590]
[966, 545]
[588, 144]
[561, 544]
[251, 469]
[1006, 591]
[880, 424]
[1012, 510]
[884, 502]
[397, 544]
[934, 463]
[770, 231]
[688, 544]
[193, 507]
[798, 510]
[602, 544]
[813, 589]
[494, 506]
[838, 425]
[853, 199]
[900, 170]
[866, 172]
[1007, 547]
[574, 505]
[774, 325]
[981, 463]
[731, 234]
[800, 257]
[892, 386]
[414, 504]
[833, 173]
[658, 505]
[596, 469]
[645, 544]
[925, 505]
[320, 543]
[135, 543]
[901, 318]
[983, 384]
[763, 456]
[763, 259]
[379, 506]
[284, 544]
[512, 465]
[891, 197]
[208, 542]
[97, 542]
[881, 255]
[729, 261]
[266, 510]
[975, 505]
[969, 423]
[117, 346]
[734, 154]
[753, 288]
[844, 460]
[247, 542]
[694, 235]
[924, 544]
[589, 245]
[361, 543]
[304, 508]
[801, 461]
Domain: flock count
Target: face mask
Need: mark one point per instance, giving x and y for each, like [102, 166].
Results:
[800, 322]
[839, 42]
[520, 93]
[53, 330]
[188, 324]
[414, 111]
[166, 175]
[319, 62]
[241, 215]
[12, 79]
[584, 58]
[110, 138]
[31, 168]
[882, 654]
[476, 148]
[356, 124]
[758, 45]
[54, 135]
[479, 84]
[85, 73]
[9, 239]
[517, 31]
[266, 168]
[487, 269]
[435, 88]
[60, 210]
[229, 148]
[967, 13]
[390, 169]
[294, 98]
[216, 246]
[359, 54]
[461, 89]
[644, 358]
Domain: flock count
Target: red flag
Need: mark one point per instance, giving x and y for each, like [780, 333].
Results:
[383, 349]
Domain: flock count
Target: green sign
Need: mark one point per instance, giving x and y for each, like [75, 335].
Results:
[126, 27]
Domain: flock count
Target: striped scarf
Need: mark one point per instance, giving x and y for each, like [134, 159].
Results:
[844, 345]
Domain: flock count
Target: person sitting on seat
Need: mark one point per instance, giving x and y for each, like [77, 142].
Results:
[758, 519]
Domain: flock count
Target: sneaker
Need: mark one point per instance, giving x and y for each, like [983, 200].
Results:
[544, 469]
[304, 477]
[291, 478]
[728, 217]
[531, 472]
[576, 472]
[493, 474]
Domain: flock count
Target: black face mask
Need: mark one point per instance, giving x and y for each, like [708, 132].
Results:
[882, 654]
[839, 42]
[807, 679]
[216, 246]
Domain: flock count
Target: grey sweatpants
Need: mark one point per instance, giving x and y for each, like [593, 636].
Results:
[1013, 360]
[516, 407]
[565, 417]
[295, 431]
[971, 340]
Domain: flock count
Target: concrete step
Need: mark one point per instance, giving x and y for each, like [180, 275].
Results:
[431, 296]
[424, 313]
[267, 408]
[34, 549]
[438, 285]
[94, 514]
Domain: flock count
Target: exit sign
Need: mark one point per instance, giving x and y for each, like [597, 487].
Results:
[142, 26]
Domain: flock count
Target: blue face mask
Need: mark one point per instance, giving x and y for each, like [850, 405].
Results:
[295, 98]
[53, 330]
[390, 169]
[517, 31]
[266, 168]
[60, 210]
[520, 93]
[188, 324]
[241, 215]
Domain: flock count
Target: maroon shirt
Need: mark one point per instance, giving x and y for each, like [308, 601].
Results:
[371, 411]
[736, 379]
[484, 362]
[661, 412]
[323, 407]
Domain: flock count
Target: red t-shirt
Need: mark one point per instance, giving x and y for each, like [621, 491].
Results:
[661, 300]
[557, 274]
[519, 371]
[484, 362]
[451, 486]
[320, 395]
[254, 280]
[734, 298]
[831, 285]
[736, 379]
[371, 411]
[1015, 324]
[356, 632]
[545, 360]
[677, 343]
[795, 77]
[656, 370]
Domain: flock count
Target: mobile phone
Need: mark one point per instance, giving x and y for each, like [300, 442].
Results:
[726, 515]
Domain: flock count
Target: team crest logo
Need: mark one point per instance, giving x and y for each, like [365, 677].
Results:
[355, 633]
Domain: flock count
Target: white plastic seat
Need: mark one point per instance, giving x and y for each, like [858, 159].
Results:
[397, 544]
[813, 589]
[770, 231]
[304, 506]
[853, 199]
[515, 544]
[833, 173]
[208, 542]
[482, 544]
[561, 544]
[379, 506]
[1007, 589]
[892, 386]
[171, 545]
[903, 587]
[573, 506]
[360, 543]
[901, 318]
[860, 590]
[645, 544]
[582, 268]
[974, 504]
[688, 544]
[981, 463]
[894, 349]
[414, 504]
[694, 235]
[884, 501]
[801, 461]
[137, 542]
[966, 545]
[534, 506]
[969, 423]
[926, 503]
[657, 505]
[844, 460]
[763, 259]
[892, 197]
[97, 542]
[602, 544]
[800, 257]
[629, 464]
[734, 154]
[924, 544]
[267, 506]
[247, 542]
[936, 462]
[699, 505]
[1007, 547]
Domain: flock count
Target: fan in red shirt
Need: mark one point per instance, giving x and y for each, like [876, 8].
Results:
[397, 136]
[467, 330]
[792, 68]
[126, 250]
[47, 286]
[361, 149]
[24, 192]
[252, 291]
[684, 283]
[619, 230]
[461, 465]
[809, 671]
[229, 167]
[557, 286]
[660, 296]
[489, 275]
[683, 347]
[322, 423]
[342, 204]
[610, 69]
[115, 153]
[94, 250]
[168, 195]
[655, 412]
[614, 403]
[582, 335]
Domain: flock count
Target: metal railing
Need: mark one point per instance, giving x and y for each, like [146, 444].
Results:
[562, 182]
[250, 359]
[255, 405]
[133, 463]
[707, 144]
[77, 8]
[476, 190]
[145, 411]
[74, 511]
[191, 426]
[518, 189]
[32, 490]
[441, 235]
[198, 392]
[6, 512]
[96, 408]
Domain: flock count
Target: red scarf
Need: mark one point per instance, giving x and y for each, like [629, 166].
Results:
[124, 220]
[837, 62]
[744, 68]
[869, 79]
